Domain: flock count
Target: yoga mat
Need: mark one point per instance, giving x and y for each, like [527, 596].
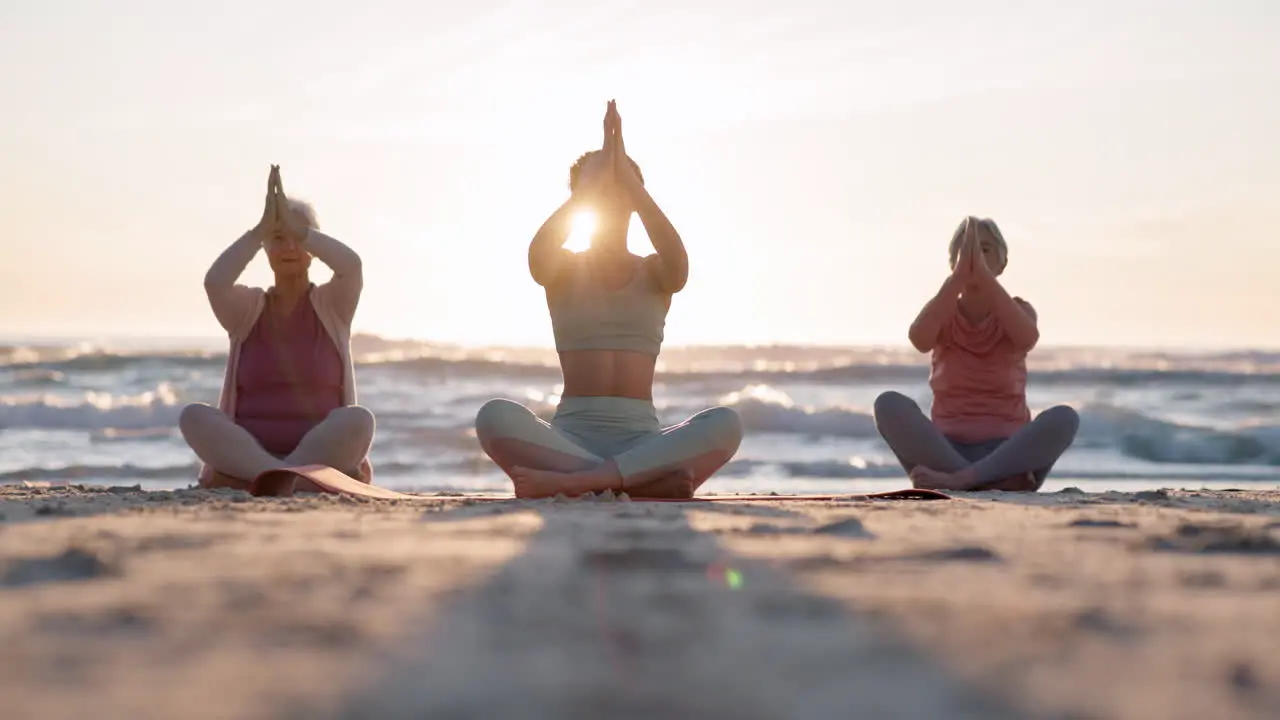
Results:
[280, 483]
[905, 494]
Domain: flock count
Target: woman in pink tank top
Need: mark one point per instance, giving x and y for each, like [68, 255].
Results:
[981, 435]
[288, 397]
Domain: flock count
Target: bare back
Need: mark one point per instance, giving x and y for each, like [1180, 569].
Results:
[608, 317]
[607, 373]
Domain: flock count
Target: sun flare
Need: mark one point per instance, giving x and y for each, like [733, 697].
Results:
[584, 225]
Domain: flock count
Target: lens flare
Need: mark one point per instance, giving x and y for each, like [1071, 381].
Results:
[580, 231]
[731, 577]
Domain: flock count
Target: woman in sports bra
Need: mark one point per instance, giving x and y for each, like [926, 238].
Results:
[981, 436]
[608, 311]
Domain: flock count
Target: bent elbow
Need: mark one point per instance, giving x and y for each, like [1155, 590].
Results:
[920, 340]
[211, 282]
[1029, 340]
[677, 281]
[536, 272]
[355, 266]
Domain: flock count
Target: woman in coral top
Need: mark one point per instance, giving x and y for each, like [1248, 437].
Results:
[289, 394]
[981, 436]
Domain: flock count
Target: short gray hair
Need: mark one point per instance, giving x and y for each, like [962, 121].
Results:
[304, 208]
[990, 226]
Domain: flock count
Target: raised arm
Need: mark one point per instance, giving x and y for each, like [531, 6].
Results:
[944, 304]
[1016, 316]
[232, 302]
[672, 260]
[935, 314]
[342, 292]
[344, 288]
[547, 255]
[548, 258]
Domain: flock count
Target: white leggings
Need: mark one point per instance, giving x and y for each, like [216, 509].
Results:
[341, 441]
[587, 431]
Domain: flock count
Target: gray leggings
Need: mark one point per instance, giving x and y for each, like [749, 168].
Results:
[626, 430]
[1033, 449]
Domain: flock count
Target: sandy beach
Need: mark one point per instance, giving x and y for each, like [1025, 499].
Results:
[122, 603]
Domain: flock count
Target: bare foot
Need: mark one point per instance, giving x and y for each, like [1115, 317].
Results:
[930, 479]
[530, 483]
[274, 484]
[219, 480]
[1026, 482]
[677, 485]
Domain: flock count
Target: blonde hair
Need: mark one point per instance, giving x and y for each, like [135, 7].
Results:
[990, 226]
[304, 208]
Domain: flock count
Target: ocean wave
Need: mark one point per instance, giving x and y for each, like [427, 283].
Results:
[765, 409]
[743, 364]
[445, 369]
[1146, 438]
[101, 473]
[93, 411]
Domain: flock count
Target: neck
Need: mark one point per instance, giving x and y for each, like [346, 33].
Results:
[292, 286]
[610, 242]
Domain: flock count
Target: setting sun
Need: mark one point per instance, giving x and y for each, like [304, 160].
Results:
[584, 225]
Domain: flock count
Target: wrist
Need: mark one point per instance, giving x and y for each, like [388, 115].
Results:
[632, 184]
[952, 286]
[638, 195]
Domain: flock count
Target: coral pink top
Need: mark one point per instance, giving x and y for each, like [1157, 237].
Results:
[289, 377]
[979, 381]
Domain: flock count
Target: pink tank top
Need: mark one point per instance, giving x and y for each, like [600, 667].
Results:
[979, 381]
[289, 377]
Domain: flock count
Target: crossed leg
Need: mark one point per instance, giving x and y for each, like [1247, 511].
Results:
[542, 461]
[1019, 463]
[341, 441]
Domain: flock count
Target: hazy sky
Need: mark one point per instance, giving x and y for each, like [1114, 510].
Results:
[815, 155]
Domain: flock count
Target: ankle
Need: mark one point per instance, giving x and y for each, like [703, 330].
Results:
[965, 478]
[606, 474]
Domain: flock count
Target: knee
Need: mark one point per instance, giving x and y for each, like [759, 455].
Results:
[496, 416]
[1063, 417]
[193, 415]
[354, 419]
[724, 425]
[889, 402]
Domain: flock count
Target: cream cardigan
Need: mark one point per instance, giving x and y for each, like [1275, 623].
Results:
[238, 307]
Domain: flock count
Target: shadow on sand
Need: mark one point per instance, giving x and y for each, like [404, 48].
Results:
[625, 610]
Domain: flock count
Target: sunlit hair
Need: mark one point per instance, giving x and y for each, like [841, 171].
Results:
[990, 226]
[303, 208]
[576, 170]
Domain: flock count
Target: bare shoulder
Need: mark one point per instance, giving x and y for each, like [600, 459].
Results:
[652, 264]
[562, 268]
